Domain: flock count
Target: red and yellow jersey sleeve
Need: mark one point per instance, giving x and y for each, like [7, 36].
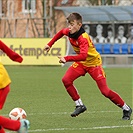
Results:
[57, 36]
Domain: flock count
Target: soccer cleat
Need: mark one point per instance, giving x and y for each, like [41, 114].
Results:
[127, 114]
[78, 110]
[24, 126]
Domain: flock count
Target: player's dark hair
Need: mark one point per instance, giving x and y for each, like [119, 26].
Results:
[74, 16]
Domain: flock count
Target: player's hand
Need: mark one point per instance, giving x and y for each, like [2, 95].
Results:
[47, 48]
[62, 59]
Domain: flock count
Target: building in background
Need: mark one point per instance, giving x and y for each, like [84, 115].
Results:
[25, 18]
[38, 18]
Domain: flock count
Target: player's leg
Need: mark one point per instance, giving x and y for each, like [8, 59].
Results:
[2, 129]
[71, 74]
[9, 124]
[14, 125]
[3, 94]
[20, 126]
[115, 98]
[99, 76]
[4, 85]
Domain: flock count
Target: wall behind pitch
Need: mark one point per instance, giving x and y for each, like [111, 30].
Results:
[32, 51]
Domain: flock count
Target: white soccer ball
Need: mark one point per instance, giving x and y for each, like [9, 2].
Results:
[17, 114]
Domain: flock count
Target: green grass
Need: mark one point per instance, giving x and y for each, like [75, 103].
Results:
[40, 92]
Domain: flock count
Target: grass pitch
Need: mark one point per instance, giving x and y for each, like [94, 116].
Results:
[40, 92]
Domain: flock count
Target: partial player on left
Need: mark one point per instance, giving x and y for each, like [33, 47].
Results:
[20, 126]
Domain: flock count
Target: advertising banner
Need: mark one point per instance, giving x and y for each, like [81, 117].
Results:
[32, 51]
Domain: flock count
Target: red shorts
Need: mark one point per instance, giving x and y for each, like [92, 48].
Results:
[95, 72]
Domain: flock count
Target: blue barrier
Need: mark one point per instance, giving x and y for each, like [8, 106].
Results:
[114, 48]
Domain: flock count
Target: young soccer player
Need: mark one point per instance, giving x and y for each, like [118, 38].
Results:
[87, 60]
[6, 123]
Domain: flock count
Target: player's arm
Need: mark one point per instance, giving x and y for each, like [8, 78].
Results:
[82, 55]
[57, 36]
[10, 53]
[79, 57]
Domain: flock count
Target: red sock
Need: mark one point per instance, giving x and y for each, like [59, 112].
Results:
[3, 94]
[113, 96]
[9, 124]
[2, 129]
[11, 54]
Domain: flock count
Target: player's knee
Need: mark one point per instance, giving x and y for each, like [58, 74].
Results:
[66, 81]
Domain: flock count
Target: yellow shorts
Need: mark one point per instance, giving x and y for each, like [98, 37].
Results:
[4, 77]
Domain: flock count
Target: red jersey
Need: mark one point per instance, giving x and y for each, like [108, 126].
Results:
[82, 45]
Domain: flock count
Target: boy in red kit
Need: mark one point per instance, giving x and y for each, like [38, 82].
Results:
[87, 60]
[6, 123]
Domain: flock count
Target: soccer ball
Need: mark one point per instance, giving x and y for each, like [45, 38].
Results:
[17, 114]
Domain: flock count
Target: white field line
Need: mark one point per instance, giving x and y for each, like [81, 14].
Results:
[78, 129]
[65, 113]
[72, 129]
[68, 113]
